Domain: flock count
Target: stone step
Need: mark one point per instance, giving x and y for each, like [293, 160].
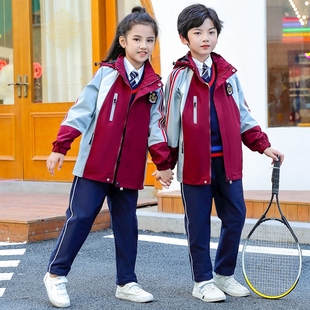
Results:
[54, 188]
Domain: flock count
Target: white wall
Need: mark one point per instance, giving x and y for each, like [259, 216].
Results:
[243, 43]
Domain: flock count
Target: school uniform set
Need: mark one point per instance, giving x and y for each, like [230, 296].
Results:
[207, 120]
[119, 115]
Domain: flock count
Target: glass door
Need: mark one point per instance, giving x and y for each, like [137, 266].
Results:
[11, 166]
[45, 61]
[59, 66]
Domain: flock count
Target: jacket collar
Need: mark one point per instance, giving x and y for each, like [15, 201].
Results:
[223, 68]
[149, 75]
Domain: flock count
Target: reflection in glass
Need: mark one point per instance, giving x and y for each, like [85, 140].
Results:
[62, 49]
[288, 51]
[6, 53]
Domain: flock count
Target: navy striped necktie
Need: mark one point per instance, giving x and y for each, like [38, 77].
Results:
[205, 73]
[133, 75]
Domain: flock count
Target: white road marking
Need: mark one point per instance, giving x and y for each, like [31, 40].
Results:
[9, 263]
[2, 290]
[6, 276]
[12, 244]
[12, 252]
[183, 242]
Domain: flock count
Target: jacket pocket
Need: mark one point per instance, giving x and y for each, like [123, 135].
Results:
[113, 107]
[195, 112]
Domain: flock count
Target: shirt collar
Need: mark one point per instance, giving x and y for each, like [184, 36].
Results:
[129, 67]
[199, 64]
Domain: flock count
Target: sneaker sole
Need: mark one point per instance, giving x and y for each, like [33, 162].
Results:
[134, 299]
[209, 300]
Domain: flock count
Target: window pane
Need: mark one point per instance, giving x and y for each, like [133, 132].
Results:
[288, 58]
[62, 49]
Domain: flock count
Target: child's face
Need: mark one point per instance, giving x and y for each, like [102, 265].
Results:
[138, 43]
[201, 40]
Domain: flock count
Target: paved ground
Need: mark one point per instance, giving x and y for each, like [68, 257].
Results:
[162, 268]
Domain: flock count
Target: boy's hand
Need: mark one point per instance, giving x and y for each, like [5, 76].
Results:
[274, 154]
[52, 160]
[164, 177]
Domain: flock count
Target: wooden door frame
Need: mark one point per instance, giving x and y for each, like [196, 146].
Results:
[155, 60]
[104, 23]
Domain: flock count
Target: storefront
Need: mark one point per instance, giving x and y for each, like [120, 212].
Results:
[288, 52]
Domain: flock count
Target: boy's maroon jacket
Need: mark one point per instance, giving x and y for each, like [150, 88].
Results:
[188, 121]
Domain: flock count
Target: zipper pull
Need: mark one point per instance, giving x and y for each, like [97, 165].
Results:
[195, 109]
[113, 107]
[91, 138]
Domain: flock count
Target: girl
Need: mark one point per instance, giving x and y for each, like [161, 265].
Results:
[119, 114]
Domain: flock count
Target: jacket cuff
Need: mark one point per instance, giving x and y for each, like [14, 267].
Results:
[160, 154]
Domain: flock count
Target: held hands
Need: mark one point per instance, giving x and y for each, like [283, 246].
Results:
[52, 160]
[164, 177]
[273, 154]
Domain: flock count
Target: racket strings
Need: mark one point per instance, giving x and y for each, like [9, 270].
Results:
[271, 259]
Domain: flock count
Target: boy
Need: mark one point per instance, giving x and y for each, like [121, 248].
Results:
[207, 121]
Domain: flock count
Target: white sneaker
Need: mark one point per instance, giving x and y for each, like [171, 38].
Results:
[56, 290]
[230, 286]
[208, 292]
[133, 292]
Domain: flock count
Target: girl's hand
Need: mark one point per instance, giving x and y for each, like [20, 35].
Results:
[164, 177]
[52, 160]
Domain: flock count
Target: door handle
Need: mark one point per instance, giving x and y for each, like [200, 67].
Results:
[19, 86]
[26, 84]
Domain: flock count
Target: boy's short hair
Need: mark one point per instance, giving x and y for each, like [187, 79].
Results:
[194, 16]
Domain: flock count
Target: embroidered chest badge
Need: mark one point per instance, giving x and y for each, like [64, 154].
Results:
[153, 97]
[229, 89]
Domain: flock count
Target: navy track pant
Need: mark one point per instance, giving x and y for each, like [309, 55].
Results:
[230, 207]
[86, 199]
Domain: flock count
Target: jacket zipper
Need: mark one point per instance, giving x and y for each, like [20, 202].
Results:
[195, 110]
[120, 149]
[113, 107]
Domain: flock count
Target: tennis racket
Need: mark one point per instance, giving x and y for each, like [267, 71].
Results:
[271, 255]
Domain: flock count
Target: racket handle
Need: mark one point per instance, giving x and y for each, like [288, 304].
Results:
[275, 178]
